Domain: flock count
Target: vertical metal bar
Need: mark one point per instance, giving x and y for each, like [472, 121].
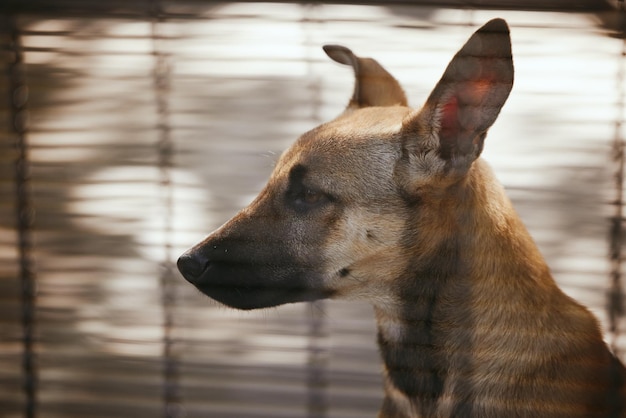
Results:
[317, 379]
[24, 214]
[172, 407]
[616, 236]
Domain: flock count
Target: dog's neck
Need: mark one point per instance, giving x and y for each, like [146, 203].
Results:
[412, 335]
[430, 334]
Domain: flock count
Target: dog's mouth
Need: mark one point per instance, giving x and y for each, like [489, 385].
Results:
[246, 287]
[247, 298]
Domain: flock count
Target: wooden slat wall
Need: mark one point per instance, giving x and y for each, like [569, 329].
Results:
[228, 87]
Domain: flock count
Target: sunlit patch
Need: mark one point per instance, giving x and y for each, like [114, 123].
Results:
[136, 201]
[159, 213]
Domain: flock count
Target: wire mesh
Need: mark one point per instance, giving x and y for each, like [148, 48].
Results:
[18, 91]
[152, 123]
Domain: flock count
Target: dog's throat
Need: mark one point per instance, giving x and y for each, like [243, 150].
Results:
[409, 345]
[412, 362]
[412, 338]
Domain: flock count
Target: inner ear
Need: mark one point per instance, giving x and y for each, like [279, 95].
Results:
[468, 98]
[455, 138]
[373, 85]
[449, 127]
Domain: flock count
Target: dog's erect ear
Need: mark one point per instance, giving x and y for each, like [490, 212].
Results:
[374, 86]
[467, 99]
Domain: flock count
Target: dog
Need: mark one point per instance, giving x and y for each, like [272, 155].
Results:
[394, 205]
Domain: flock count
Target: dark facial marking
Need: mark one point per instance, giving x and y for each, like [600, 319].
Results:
[301, 197]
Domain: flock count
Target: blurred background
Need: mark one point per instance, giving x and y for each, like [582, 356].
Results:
[132, 129]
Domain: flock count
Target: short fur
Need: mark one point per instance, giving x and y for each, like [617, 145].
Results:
[394, 206]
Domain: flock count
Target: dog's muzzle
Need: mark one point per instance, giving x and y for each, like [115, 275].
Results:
[242, 284]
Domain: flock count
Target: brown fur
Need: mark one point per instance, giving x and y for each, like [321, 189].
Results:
[394, 206]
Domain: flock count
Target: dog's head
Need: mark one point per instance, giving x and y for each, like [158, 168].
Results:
[353, 200]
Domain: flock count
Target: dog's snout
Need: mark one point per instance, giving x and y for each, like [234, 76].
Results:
[192, 266]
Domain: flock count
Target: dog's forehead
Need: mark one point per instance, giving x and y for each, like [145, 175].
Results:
[361, 133]
[351, 154]
[359, 126]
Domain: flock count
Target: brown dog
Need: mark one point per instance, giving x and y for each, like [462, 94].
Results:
[393, 205]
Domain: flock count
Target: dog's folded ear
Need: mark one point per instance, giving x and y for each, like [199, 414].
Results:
[467, 99]
[374, 86]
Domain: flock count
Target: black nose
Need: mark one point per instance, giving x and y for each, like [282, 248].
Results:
[192, 265]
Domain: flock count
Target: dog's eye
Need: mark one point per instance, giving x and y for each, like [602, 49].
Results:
[311, 197]
[306, 198]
